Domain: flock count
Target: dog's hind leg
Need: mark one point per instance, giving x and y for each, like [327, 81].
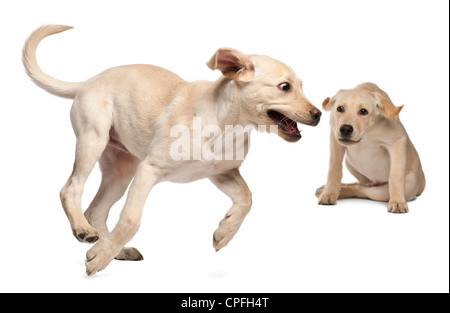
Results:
[357, 190]
[376, 193]
[92, 131]
[98, 257]
[235, 187]
[118, 169]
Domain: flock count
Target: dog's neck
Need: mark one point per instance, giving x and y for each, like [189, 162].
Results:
[227, 102]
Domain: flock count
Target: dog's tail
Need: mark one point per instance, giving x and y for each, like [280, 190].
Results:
[48, 83]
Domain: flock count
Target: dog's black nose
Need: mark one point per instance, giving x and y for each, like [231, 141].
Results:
[346, 130]
[316, 114]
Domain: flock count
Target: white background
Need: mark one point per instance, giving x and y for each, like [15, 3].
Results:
[288, 243]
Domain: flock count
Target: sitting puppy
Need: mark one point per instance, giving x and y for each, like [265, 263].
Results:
[365, 126]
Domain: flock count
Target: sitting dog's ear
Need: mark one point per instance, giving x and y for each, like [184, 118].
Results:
[328, 103]
[388, 108]
[384, 104]
[233, 64]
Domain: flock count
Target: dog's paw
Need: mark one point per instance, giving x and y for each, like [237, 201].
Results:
[99, 257]
[129, 254]
[319, 191]
[86, 234]
[327, 198]
[397, 207]
[228, 227]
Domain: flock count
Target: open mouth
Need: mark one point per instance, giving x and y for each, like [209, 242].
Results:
[288, 126]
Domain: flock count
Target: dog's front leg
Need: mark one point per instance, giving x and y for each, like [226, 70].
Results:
[147, 175]
[234, 186]
[397, 201]
[329, 193]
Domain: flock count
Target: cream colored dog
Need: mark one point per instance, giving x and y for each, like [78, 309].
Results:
[123, 118]
[365, 126]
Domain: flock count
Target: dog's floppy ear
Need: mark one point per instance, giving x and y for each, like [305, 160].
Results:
[233, 64]
[328, 103]
[385, 104]
[389, 109]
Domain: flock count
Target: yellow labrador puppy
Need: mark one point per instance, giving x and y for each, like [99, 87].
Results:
[129, 117]
[365, 127]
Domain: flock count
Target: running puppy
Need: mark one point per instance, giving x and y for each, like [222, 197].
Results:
[365, 127]
[124, 119]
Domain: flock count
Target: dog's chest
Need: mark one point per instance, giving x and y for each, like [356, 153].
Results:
[372, 161]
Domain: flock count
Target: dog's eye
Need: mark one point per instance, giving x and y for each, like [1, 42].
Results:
[363, 112]
[285, 87]
[340, 109]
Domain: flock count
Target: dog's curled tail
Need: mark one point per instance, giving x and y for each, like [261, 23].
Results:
[48, 83]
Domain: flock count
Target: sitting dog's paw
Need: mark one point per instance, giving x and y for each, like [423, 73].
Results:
[319, 191]
[99, 257]
[397, 207]
[326, 197]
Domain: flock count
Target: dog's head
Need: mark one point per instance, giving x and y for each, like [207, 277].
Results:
[269, 91]
[355, 111]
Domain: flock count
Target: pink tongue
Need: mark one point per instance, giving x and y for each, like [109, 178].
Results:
[292, 129]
